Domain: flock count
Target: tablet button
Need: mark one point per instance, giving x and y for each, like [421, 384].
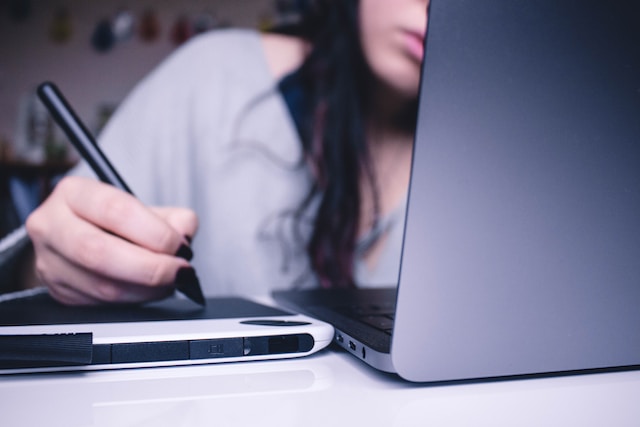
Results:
[215, 348]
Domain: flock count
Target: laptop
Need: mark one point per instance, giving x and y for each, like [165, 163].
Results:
[522, 237]
[37, 334]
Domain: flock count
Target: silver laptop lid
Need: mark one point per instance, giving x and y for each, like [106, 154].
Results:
[522, 243]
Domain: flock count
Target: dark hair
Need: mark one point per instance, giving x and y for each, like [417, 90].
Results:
[334, 78]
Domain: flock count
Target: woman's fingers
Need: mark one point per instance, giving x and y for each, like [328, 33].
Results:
[97, 244]
[121, 214]
[82, 287]
[90, 248]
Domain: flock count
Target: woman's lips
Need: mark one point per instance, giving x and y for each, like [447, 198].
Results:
[414, 44]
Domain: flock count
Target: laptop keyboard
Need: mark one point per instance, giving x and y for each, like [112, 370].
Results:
[364, 314]
[378, 316]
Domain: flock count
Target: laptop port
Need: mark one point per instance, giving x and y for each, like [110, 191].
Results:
[352, 346]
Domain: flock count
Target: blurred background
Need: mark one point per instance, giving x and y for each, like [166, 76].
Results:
[95, 51]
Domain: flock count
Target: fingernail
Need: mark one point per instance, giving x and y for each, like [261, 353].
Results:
[184, 252]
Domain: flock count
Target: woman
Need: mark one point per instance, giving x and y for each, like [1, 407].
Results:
[290, 154]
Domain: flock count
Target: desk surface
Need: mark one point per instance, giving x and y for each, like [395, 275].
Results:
[331, 388]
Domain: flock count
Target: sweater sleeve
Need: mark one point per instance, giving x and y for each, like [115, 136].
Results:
[176, 121]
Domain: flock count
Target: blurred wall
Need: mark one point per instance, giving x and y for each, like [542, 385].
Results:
[89, 78]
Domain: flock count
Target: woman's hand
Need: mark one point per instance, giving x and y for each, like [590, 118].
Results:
[95, 244]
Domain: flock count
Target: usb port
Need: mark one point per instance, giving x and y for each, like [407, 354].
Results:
[352, 346]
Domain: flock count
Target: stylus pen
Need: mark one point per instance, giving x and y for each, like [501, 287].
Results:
[83, 141]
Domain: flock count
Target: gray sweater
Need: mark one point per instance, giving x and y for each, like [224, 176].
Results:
[209, 130]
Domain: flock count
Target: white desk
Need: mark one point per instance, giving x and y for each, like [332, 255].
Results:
[329, 389]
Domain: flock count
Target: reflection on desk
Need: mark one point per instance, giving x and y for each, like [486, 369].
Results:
[330, 388]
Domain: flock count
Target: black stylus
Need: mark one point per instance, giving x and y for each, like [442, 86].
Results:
[86, 145]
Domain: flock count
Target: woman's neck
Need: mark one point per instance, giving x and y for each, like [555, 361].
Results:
[390, 128]
[390, 112]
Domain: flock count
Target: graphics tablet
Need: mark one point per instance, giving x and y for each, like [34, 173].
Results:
[38, 334]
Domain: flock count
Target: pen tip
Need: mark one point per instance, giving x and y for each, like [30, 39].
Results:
[187, 282]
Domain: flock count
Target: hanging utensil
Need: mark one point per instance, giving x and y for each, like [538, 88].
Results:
[61, 27]
[149, 26]
[102, 38]
[181, 30]
[122, 25]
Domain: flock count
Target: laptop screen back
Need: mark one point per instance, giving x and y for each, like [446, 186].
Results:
[522, 241]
